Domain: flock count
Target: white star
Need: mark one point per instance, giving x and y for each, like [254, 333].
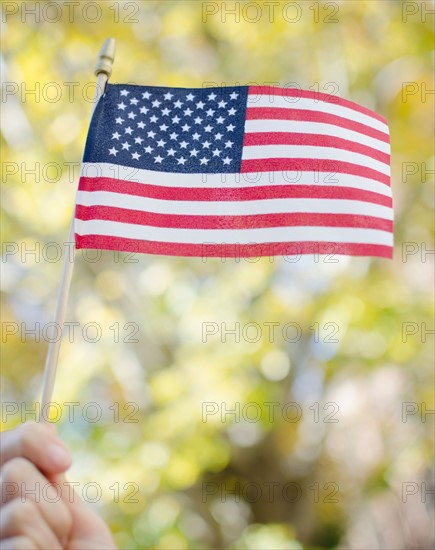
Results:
[156, 103]
[168, 95]
[216, 152]
[126, 145]
[151, 134]
[124, 92]
[194, 153]
[116, 135]
[200, 105]
[161, 143]
[141, 125]
[232, 111]
[229, 144]
[185, 128]
[113, 151]
[135, 156]
[134, 101]
[218, 136]
[122, 106]
[158, 158]
[148, 149]
[230, 127]
[176, 119]
[144, 110]
[178, 104]
[206, 144]
[138, 140]
[166, 111]
[154, 118]
[182, 161]
[188, 112]
[184, 144]
[171, 152]
[212, 96]
[128, 131]
[222, 103]
[190, 97]
[204, 160]
[196, 136]
[220, 119]
[234, 95]
[132, 115]
[210, 112]
[173, 135]
[163, 127]
[119, 120]
[208, 128]
[146, 95]
[227, 160]
[198, 120]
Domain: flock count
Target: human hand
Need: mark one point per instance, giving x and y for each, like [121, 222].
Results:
[32, 461]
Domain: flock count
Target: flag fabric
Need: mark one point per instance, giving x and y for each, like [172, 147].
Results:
[234, 171]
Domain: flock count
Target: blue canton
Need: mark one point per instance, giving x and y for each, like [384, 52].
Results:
[184, 130]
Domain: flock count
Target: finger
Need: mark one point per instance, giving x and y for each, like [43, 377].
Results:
[17, 543]
[39, 444]
[22, 481]
[23, 519]
[87, 526]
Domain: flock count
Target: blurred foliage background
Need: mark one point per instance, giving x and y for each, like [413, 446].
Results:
[356, 483]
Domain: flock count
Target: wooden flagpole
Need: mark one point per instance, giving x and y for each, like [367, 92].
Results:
[103, 70]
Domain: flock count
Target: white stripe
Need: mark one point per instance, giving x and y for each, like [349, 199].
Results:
[236, 208]
[319, 128]
[265, 100]
[230, 236]
[312, 152]
[230, 181]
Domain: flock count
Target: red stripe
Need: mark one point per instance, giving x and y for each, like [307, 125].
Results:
[330, 166]
[280, 113]
[290, 251]
[290, 138]
[139, 217]
[317, 96]
[232, 194]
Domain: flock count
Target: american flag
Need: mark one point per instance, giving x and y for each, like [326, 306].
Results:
[234, 171]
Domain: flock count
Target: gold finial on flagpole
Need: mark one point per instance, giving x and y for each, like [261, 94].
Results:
[106, 58]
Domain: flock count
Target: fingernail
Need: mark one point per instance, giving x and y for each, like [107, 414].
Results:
[59, 456]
